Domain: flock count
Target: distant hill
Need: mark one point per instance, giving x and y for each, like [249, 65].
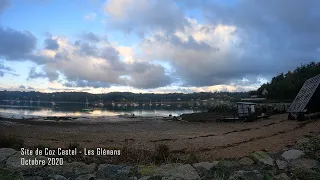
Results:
[119, 96]
[286, 86]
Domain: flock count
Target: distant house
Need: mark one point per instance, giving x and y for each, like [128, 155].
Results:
[265, 92]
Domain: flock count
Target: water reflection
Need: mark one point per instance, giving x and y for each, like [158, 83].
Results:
[74, 109]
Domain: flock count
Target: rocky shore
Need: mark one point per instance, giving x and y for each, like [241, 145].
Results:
[297, 162]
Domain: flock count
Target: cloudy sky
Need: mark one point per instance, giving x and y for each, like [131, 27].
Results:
[153, 45]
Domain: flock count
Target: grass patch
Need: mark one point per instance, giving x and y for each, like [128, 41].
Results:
[8, 141]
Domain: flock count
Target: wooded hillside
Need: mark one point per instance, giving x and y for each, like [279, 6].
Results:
[286, 86]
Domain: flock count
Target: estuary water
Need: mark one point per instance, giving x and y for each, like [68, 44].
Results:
[77, 109]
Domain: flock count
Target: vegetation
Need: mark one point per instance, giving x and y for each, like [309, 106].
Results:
[162, 154]
[286, 86]
[312, 148]
[305, 174]
[11, 142]
[118, 96]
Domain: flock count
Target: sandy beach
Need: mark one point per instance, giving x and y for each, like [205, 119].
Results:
[208, 140]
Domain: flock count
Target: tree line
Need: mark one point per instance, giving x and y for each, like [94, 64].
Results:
[286, 86]
[118, 96]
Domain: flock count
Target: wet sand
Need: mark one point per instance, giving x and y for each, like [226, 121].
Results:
[208, 140]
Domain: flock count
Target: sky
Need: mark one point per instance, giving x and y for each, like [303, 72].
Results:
[158, 46]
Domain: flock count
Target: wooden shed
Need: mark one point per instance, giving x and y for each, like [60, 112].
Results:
[245, 109]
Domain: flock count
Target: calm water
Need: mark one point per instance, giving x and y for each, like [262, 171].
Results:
[75, 109]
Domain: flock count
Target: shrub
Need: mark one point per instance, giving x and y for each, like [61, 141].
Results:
[161, 154]
[11, 142]
[312, 148]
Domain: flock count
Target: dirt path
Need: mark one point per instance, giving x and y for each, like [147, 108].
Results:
[207, 140]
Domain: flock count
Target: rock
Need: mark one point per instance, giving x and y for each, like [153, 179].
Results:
[281, 164]
[86, 177]
[57, 177]
[10, 174]
[151, 178]
[175, 171]
[292, 154]
[263, 157]
[227, 164]
[246, 175]
[33, 178]
[282, 176]
[5, 153]
[73, 169]
[301, 142]
[246, 161]
[170, 178]
[204, 165]
[203, 168]
[146, 170]
[114, 171]
[14, 162]
[145, 178]
[304, 163]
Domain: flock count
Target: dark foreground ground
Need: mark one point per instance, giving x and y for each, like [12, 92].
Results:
[204, 140]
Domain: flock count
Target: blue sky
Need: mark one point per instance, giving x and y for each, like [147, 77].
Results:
[153, 45]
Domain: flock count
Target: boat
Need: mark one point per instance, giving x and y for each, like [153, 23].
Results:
[86, 106]
[99, 104]
[52, 102]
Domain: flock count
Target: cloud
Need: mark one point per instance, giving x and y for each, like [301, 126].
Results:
[22, 87]
[200, 55]
[6, 70]
[146, 76]
[4, 4]
[89, 64]
[16, 45]
[141, 16]
[51, 44]
[33, 74]
[49, 73]
[84, 83]
[244, 39]
[225, 45]
[90, 16]
[91, 37]
[3, 67]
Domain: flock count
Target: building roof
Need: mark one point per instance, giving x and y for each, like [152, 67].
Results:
[304, 95]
